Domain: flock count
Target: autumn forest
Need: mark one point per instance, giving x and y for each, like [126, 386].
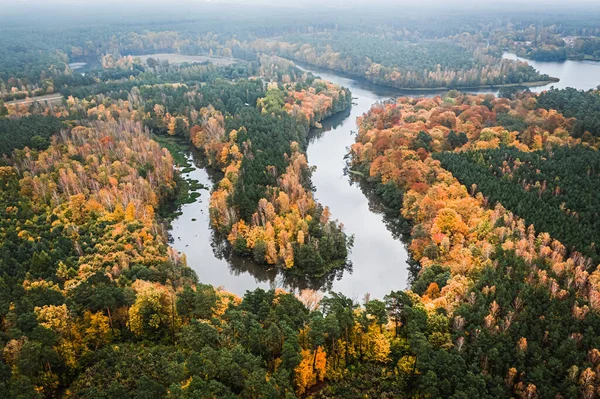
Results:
[484, 175]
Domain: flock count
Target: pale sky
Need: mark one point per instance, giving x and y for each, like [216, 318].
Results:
[159, 10]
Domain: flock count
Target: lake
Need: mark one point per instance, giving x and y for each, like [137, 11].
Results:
[582, 75]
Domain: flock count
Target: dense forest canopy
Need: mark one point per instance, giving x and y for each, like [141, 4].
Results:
[497, 197]
[553, 190]
[584, 106]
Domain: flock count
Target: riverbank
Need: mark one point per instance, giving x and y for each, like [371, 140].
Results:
[568, 58]
[484, 87]
[417, 90]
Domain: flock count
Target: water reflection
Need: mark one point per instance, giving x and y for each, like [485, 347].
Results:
[328, 124]
[211, 257]
[393, 220]
[272, 276]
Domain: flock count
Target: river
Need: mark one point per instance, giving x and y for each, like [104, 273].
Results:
[379, 259]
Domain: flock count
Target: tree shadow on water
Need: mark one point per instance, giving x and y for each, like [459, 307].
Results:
[275, 277]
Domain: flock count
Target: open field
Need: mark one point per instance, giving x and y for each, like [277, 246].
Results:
[181, 58]
[50, 99]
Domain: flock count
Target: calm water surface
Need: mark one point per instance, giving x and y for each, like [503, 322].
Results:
[378, 258]
[207, 255]
[581, 75]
